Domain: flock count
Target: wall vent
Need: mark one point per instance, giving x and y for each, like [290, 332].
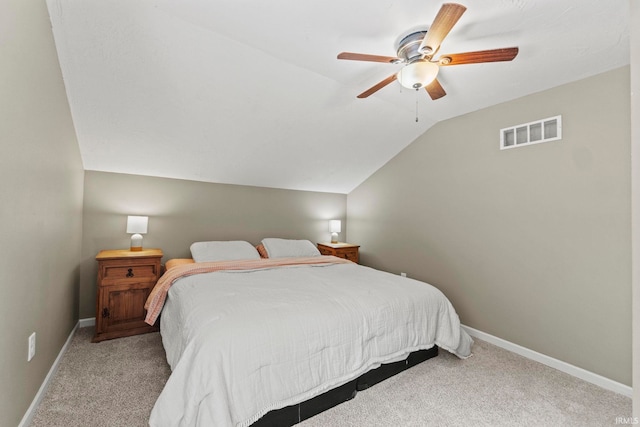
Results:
[544, 130]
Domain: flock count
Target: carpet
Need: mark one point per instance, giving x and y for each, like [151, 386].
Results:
[115, 383]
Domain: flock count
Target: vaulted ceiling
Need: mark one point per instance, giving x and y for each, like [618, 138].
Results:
[250, 92]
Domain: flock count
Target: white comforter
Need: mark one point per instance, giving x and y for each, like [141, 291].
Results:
[241, 343]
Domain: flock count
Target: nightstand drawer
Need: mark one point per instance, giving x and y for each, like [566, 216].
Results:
[341, 250]
[133, 272]
[350, 254]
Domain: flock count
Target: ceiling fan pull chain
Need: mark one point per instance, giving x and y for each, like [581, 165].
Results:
[416, 105]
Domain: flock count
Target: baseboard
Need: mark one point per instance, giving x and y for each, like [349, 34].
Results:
[567, 368]
[85, 323]
[31, 411]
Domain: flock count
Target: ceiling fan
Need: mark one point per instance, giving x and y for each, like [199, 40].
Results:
[417, 51]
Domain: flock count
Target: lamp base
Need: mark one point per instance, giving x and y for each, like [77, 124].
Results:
[334, 237]
[136, 242]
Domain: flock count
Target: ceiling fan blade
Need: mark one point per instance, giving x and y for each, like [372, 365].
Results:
[492, 55]
[443, 23]
[435, 90]
[371, 58]
[377, 87]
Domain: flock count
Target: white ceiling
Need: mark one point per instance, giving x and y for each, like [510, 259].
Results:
[251, 92]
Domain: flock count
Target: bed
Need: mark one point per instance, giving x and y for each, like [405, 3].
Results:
[272, 341]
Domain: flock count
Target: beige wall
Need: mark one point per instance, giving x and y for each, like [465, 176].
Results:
[41, 182]
[182, 212]
[531, 244]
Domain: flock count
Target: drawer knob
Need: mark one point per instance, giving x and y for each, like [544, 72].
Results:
[130, 272]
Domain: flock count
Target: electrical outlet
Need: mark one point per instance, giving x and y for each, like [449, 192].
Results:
[403, 274]
[32, 347]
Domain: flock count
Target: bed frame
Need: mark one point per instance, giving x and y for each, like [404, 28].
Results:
[294, 414]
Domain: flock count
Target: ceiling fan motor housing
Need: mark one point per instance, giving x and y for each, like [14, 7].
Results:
[408, 48]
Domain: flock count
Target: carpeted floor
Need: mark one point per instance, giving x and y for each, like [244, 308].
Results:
[109, 384]
[116, 382]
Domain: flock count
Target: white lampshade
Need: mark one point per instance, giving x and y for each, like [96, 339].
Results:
[335, 226]
[418, 74]
[138, 226]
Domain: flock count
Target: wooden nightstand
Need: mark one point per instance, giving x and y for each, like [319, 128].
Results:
[342, 250]
[125, 279]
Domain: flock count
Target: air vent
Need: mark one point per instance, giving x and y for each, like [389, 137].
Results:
[544, 130]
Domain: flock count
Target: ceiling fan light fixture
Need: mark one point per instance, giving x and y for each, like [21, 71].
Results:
[418, 74]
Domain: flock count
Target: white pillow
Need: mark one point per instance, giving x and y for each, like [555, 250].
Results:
[223, 251]
[283, 248]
